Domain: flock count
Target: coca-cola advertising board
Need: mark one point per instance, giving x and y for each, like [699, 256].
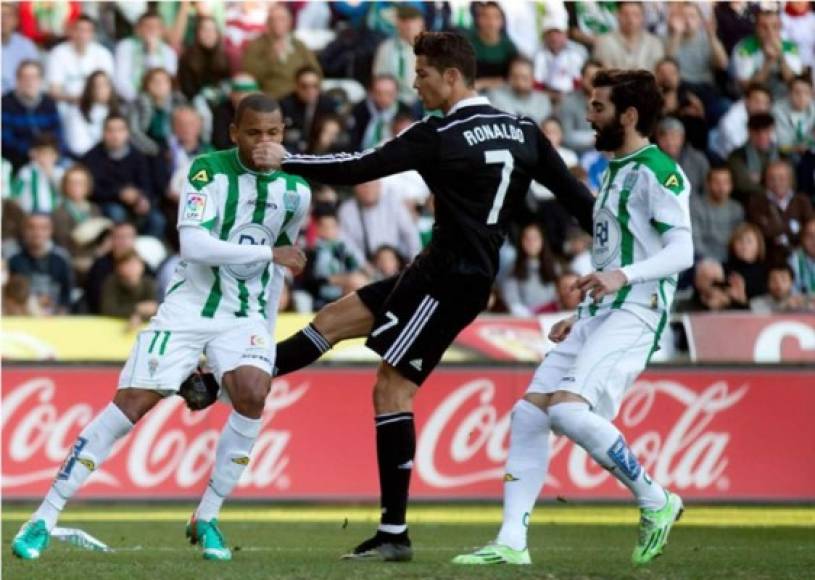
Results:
[709, 434]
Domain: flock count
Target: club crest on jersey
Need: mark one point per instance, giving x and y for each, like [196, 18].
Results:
[194, 206]
[291, 201]
[152, 366]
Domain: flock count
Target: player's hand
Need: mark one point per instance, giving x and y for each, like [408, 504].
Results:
[268, 155]
[290, 256]
[562, 329]
[598, 284]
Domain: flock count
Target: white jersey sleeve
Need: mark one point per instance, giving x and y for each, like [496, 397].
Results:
[200, 197]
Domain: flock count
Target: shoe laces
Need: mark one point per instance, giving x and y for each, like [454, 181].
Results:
[647, 526]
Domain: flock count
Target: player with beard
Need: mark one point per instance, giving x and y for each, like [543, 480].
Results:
[642, 240]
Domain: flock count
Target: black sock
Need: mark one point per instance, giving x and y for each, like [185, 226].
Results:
[395, 448]
[300, 350]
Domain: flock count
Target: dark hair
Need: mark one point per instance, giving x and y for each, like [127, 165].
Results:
[714, 168]
[126, 257]
[85, 18]
[29, 62]
[257, 102]
[200, 66]
[146, 15]
[44, 140]
[546, 261]
[153, 72]
[760, 121]
[306, 69]
[445, 50]
[590, 62]
[633, 88]
[115, 117]
[384, 77]
[800, 79]
[86, 99]
[668, 59]
[323, 210]
[757, 87]
[520, 59]
[777, 265]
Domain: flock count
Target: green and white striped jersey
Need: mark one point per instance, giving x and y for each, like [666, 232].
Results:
[35, 191]
[241, 206]
[642, 196]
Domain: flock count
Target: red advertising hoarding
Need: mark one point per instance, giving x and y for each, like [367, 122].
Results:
[709, 434]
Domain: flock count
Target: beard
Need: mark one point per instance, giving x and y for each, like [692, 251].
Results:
[610, 137]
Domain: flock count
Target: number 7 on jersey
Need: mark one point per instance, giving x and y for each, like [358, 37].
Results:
[504, 157]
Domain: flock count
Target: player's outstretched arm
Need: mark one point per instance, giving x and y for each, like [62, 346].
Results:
[198, 246]
[412, 149]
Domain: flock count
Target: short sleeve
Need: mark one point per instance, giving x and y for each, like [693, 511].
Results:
[743, 63]
[198, 202]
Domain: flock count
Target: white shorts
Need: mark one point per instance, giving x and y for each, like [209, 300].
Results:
[599, 360]
[164, 354]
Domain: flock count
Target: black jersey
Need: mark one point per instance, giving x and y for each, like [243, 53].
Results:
[478, 162]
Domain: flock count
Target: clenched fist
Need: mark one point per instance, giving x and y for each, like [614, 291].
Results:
[268, 156]
[290, 256]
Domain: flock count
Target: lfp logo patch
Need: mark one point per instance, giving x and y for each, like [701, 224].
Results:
[194, 207]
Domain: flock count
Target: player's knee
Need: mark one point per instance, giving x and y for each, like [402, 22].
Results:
[392, 392]
[566, 417]
[328, 321]
[540, 400]
[248, 389]
[135, 403]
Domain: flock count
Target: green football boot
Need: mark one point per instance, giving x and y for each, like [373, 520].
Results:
[208, 534]
[655, 525]
[494, 554]
[32, 540]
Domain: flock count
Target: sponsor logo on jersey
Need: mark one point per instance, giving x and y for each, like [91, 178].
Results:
[243, 460]
[416, 363]
[90, 465]
[510, 477]
[250, 234]
[257, 340]
[607, 238]
[194, 206]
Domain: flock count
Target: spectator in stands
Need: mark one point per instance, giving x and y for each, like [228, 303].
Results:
[558, 62]
[519, 96]
[407, 185]
[245, 21]
[120, 240]
[371, 120]
[371, 219]
[590, 19]
[36, 187]
[13, 217]
[731, 132]
[671, 139]
[46, 267]
[493, 48]
[223, 112]
[778, 211]
[734, 21]
[797, 25]
[70, 63]
[185, 142]
[303, 108]
[328, 136]
[47, 22]
[332, 270]
[204, 64]
[631, 45]
[802, 261]
[16, 47]
[27, 112]
[781, 295]
[275, 57]
[76, 207]
[711, 291]
[395, 57]
[387, 262]
[746, 267]
[530, 287]
[698, 52]
[122, 179]
[553, 131]
[795, 117]
[152, 111]
[568, 296]
[135, 56]
[680, 102]
[747, 163]
[577, 132]
[17, 299]
[714, 216]
[83, 121]
[129, 292]
[766, 57]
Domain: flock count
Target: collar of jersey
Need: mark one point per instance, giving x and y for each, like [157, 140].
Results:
[471, 102]
[624, 158]
[247, 170]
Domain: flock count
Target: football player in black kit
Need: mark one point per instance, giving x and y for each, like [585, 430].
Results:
[479, 162]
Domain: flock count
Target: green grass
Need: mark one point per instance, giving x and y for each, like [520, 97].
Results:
[280, 544]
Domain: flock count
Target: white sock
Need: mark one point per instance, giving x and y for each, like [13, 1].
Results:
[526, 469]
[231, 458]
[604, 442]
[91, 448]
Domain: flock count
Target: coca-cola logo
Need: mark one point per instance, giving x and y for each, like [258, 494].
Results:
[466, 429]
[170, 443]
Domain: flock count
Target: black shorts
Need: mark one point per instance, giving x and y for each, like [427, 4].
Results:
[418, 315]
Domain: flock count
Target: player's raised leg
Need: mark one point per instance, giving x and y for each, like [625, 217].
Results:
[89, 451]
[395, 448]
[247, 387]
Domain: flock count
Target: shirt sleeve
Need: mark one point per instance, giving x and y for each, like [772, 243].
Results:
[414, 148]
[743, 63]
[198, 203]
[551, 172]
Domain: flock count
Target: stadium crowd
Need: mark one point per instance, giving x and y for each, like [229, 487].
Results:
[105, 104]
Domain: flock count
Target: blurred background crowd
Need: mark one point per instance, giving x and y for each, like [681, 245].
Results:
[105, 104]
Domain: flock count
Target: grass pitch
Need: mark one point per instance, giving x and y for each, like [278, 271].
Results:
[301, 542]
